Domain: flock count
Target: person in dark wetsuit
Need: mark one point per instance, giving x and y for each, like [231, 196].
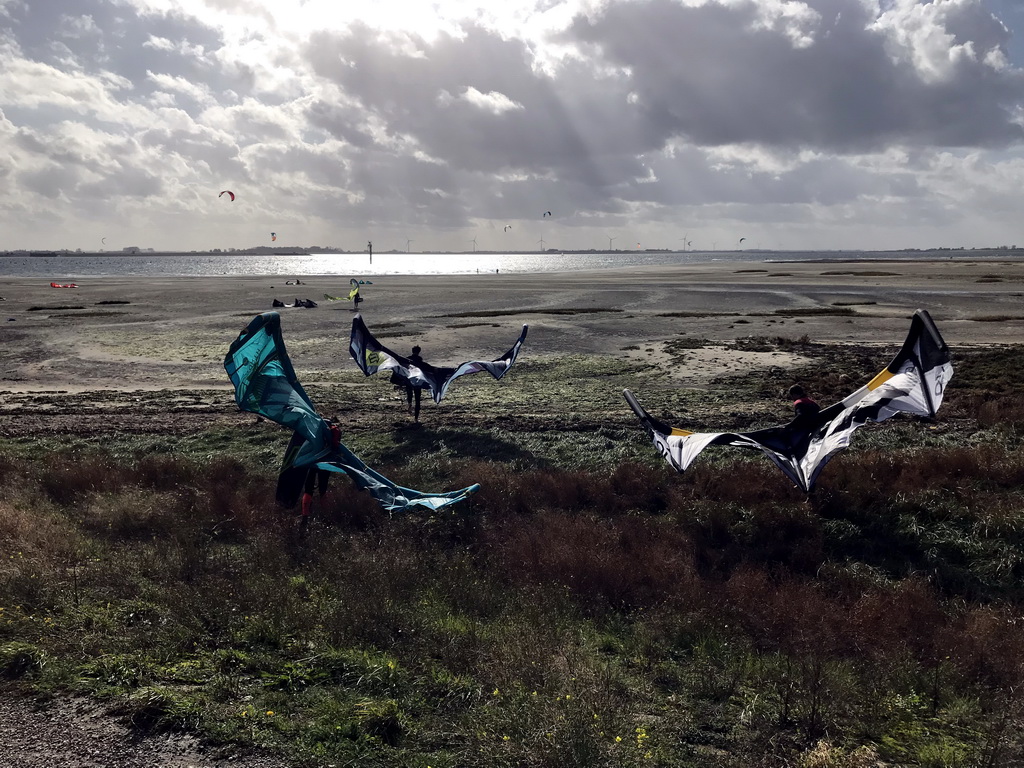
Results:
[806, 410]
[318, 478]
[412, 393]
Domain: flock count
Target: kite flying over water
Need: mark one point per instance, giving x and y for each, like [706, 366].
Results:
[914, 382]
[371, 356]
[265, 384]
[229, 193]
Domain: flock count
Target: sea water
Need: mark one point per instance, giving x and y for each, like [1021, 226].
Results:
[72, 266]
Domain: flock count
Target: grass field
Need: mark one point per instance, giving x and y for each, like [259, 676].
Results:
[588, 607]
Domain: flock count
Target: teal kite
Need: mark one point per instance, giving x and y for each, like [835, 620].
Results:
[265, 384]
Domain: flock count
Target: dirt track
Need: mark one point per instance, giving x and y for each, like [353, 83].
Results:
[79, 734]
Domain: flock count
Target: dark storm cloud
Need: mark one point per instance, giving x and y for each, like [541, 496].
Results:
[558, 127]
[830, 77]
[715, 76]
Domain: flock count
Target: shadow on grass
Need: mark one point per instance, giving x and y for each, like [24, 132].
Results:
[458, 444]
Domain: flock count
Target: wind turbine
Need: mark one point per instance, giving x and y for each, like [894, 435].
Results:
[541, 241]
[685, 243]
[473, 241]
[407, 244]
[610, 239]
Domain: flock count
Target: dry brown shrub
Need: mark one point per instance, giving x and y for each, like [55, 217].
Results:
[640, 487]
[790, 615]
[728, 534]
[1000, 410]
[132, 515]
[65, 479]
[13, 474]
[228, 498]
[37, 535]
[986, 644]
[498, 487]
[947, 468]
[788, 535]
[873, 477]
[506, 492]
[346, 505]
[740, 481]
[625, 563]
[165, 472]
[893, 622]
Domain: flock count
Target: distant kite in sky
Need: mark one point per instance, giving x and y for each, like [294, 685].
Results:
[508, 227]
[265, 383]
[273, 236]
[229, 193]
[742, 239]
[371, 356]
[914, 382]
[546, 214]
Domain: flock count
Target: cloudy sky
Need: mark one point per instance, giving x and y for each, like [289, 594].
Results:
[793, 123]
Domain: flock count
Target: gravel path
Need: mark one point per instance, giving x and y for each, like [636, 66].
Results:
[76, 733]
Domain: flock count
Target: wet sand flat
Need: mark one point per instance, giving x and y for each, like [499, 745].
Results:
[171, 333]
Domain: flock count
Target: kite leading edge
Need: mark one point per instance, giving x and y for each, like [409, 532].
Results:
[914, 382]
[265, 384]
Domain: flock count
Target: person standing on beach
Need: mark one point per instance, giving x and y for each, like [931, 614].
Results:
[354, 294]
[412, 393]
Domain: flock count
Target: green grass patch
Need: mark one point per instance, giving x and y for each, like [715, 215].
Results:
[588, 607]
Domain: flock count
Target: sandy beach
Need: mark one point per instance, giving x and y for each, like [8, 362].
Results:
[136, 335]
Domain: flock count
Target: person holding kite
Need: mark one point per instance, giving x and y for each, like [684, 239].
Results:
[353, 294]
[805, 409]
[412, 392]
[265, 384]
[318, 478]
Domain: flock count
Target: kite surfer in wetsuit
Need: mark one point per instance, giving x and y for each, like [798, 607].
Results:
[317, 478]
[411, 392]
[805, 408]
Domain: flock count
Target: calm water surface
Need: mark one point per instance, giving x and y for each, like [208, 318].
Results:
[214, 265]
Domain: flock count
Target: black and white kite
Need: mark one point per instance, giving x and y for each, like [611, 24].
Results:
[372, 356]
[914, 382]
